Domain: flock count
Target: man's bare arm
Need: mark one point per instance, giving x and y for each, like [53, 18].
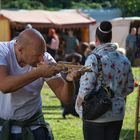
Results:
[62, 89]
[9, 83]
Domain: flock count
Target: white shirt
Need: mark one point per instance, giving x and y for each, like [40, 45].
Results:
[55, 43]
[25, 102]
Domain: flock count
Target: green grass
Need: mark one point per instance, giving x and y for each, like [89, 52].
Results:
[63, 129]
[71, 128]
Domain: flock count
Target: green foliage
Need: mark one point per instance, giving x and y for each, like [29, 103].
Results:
[94, 5]
[20, 4]
[61, 4]
[91, 5]
[79, 5]
[106, 4]
[128, 7]
[63, 129]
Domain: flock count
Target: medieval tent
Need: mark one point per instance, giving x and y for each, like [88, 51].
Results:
[12, 21]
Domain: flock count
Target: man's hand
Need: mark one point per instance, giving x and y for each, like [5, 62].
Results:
[48, 70]
[74, 75]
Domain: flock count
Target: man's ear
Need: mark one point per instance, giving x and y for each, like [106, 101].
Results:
[97, 42]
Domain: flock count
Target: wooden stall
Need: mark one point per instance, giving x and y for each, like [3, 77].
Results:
[12, 22]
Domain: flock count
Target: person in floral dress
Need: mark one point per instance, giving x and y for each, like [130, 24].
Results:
[117, 74]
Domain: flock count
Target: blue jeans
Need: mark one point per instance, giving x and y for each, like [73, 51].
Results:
[39, 134]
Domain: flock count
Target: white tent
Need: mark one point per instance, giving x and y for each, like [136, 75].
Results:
[120, 29]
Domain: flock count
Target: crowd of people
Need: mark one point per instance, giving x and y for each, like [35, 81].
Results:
[64, 43]
[29, 60]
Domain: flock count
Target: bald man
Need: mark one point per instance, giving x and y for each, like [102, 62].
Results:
[24, 66]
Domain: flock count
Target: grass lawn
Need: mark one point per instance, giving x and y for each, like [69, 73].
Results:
[71, 128]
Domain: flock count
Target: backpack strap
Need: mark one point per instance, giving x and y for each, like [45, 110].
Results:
[100, 70]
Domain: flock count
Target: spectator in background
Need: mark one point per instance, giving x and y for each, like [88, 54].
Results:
[71, 42]
[74, 58]
[59, 55]
[92, 45]
[52, 42]
[84, 51]
[131, 45]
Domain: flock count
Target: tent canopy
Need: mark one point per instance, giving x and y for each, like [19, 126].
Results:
[59, 19]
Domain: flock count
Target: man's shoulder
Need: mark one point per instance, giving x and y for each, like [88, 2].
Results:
[7, 44]
[4, 47]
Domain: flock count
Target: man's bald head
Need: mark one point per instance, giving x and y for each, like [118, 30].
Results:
[31, 38]
[30, 47]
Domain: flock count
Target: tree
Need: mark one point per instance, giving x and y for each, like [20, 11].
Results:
[22, 4]
[128, 7]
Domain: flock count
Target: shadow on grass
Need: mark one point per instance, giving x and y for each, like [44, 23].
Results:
[51, 112]
[59, 118]
[128, 134]
[53, 107]
[51, 118]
